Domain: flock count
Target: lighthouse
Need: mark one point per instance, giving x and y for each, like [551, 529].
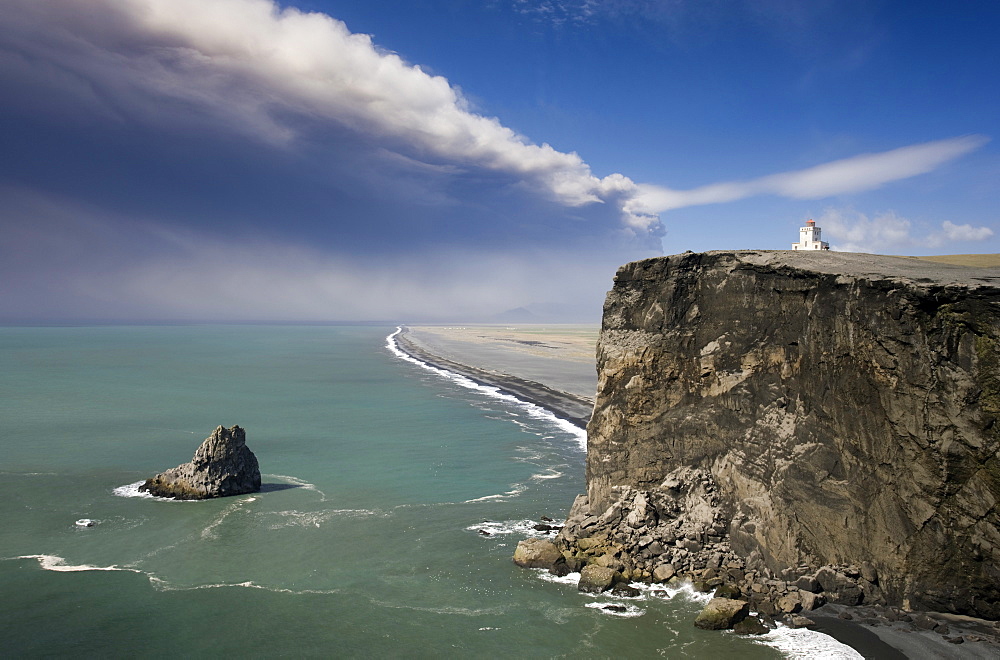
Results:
[809, 238]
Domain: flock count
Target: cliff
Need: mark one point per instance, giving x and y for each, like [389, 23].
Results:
[795, 429]
[838, 409]
[222, 465]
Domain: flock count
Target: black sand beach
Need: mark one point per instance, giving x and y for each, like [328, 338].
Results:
[565, 405]
[884, 634]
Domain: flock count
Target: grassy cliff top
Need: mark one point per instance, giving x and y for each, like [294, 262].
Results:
[977, 260]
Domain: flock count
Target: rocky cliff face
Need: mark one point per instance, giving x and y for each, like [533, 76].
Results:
[834, 409]
[222, 465]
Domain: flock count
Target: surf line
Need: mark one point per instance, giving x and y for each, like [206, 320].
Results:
[573, 427]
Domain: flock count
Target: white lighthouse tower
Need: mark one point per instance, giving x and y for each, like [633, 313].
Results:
[809, 238]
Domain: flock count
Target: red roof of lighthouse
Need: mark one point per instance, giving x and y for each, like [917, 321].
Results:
[811, 223]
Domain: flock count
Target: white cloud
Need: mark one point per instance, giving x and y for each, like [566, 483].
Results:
[849, 175]
[868, 171]
[953, 232]
[890, 233]
[261, 68]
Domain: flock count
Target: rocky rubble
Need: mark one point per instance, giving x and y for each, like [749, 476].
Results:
[222, 465]
[678, 532]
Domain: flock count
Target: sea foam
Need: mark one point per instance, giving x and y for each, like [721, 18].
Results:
[293, 518]
[515, 490]
[132, 490]
[615, 609]
[505, 527]
[59, 565]
[804, 644]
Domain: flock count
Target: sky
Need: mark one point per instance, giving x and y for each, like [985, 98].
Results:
[449, 160]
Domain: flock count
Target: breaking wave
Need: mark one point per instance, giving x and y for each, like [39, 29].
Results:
[532, 410]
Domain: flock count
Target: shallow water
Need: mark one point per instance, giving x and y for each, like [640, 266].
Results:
[365, 542]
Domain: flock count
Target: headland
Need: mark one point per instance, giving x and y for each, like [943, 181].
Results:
[793, 429]
[794, 468]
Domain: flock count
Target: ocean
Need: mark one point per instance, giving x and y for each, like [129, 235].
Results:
[393, 498]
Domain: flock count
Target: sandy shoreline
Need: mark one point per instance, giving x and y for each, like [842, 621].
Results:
[562, 357]
[566, 405]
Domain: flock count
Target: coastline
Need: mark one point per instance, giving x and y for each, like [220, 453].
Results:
[870, 632]
[573, 408]
[889, 633]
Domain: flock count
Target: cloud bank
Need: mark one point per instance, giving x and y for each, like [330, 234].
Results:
[270, 73]
[74, 262]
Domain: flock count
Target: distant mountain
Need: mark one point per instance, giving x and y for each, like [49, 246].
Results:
[548, 313]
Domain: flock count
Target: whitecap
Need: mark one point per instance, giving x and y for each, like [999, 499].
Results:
[59, 565]
[617, 609]
[516, 489]
[518, 527]
[570, 578]
[132, 490]
[684, 590]
[531, 409]
[550, 474]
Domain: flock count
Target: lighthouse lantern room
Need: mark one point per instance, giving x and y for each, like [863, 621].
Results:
[809, 238]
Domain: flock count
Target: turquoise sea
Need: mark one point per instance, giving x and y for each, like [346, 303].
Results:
[365, 542]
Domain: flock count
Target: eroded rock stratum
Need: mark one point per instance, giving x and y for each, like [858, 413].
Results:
[790, 411]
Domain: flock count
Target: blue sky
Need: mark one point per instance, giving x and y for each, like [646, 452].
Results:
[447, 159]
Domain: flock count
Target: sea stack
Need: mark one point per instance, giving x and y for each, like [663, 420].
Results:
[798, 427]
[223, 465]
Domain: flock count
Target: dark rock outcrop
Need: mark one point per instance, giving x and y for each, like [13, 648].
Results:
[536, 553]
[722, 614]
[597, 579]
[793, 422]
[750, 626]
[223, 465]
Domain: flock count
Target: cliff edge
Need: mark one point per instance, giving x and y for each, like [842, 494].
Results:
[826, 419]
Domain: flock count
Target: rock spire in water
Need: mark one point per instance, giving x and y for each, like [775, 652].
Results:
[222, 465]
